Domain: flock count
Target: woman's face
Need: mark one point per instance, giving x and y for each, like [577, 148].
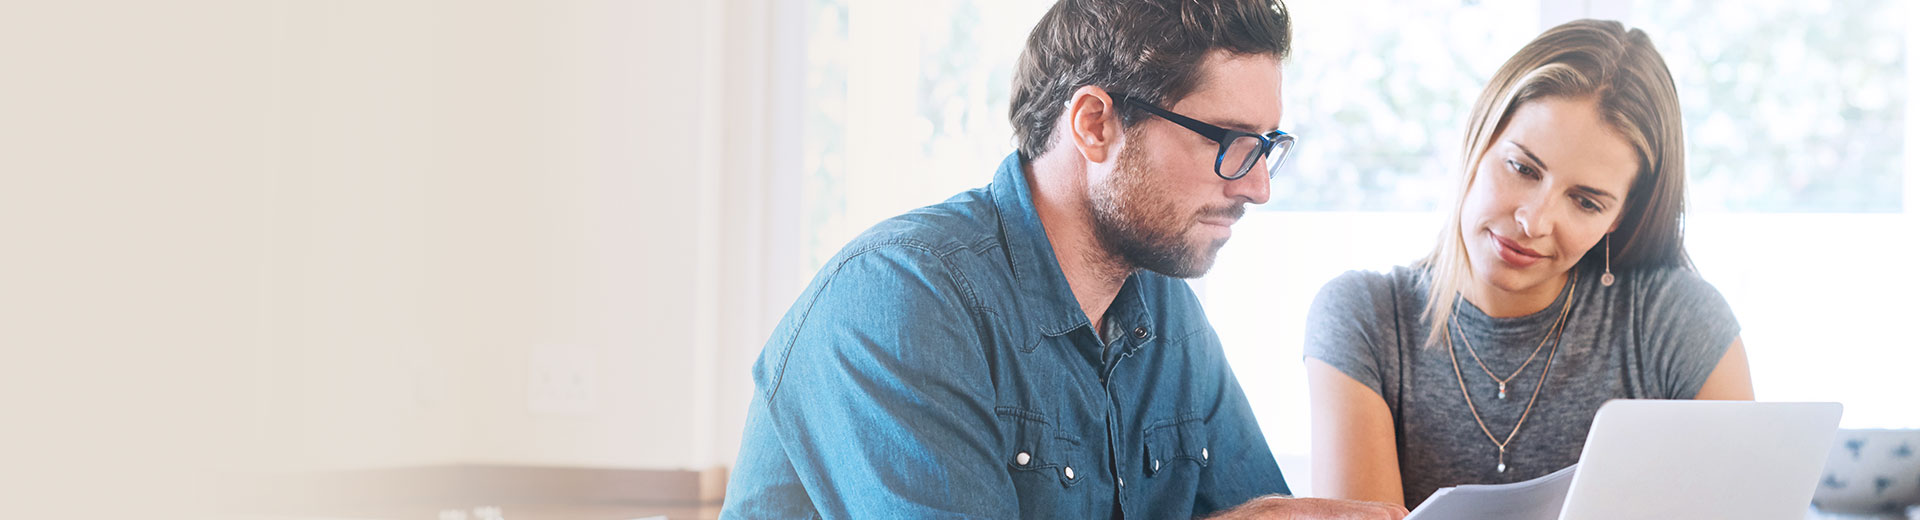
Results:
[1549, 187]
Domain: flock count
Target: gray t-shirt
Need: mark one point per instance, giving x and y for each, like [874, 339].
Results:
[1655, 334]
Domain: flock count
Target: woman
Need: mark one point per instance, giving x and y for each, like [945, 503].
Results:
[1559, 282]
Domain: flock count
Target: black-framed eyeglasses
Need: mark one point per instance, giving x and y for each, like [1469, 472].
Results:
[1240, 150]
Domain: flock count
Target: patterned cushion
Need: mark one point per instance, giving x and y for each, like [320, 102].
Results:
[1871, 471]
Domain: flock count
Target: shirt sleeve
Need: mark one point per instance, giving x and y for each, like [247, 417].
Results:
[1351, 327]
[1244, 467]
[1686, 326]
[881, 396]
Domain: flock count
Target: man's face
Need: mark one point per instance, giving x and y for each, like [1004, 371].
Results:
[1163, 208]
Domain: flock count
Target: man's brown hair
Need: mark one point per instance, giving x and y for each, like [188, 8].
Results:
[1149, 50]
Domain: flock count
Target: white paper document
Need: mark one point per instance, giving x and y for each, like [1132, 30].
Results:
[1537, 499]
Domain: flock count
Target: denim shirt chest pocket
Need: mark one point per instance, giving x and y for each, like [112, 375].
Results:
[1176, 448]
[1047, 465]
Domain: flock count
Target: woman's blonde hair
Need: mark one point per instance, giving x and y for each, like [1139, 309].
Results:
[1620, 70]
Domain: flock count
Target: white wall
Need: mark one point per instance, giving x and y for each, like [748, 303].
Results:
[300, 234]
[473, 189]
[131, 224]
[520, 232]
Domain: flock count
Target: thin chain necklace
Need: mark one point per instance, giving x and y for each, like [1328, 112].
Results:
[1554, 331]
[1502, 381]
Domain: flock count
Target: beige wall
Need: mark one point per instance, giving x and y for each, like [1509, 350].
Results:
[327, 234]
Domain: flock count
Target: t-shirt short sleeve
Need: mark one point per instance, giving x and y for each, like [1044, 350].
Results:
[1351, 326]
[1685, 328]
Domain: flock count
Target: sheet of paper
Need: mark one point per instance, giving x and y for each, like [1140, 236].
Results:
[1537, 499]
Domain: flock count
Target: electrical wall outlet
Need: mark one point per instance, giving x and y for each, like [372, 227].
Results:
[561, 380]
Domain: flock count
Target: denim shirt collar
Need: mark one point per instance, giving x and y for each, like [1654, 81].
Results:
[1044, 295]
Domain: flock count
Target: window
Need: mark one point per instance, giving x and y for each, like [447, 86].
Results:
[912, 107]
[1790, 106]
[1805, 208]
[1379, 101]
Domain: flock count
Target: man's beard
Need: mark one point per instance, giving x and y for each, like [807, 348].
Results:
[1136, 226]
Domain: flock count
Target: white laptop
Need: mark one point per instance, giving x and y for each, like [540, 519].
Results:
[1701, 459]
[1650, 459]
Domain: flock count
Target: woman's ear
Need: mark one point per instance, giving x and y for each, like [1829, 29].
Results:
[1093, 124]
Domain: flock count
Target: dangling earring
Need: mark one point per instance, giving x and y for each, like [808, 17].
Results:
[1606, 278]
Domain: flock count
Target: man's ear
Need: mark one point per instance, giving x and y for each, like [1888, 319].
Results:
[1093, 124]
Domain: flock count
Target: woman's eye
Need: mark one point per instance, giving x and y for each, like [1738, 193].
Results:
[1587, 204]
[1521, 168]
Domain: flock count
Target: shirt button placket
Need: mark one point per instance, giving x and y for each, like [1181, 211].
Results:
[1113, 439]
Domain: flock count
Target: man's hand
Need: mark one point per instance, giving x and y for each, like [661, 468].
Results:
[1275, 507]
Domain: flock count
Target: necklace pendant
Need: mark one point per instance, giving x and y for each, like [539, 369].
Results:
[1502, 468]
[1503, 390]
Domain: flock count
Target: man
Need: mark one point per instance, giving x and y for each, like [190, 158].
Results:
[1026, 349]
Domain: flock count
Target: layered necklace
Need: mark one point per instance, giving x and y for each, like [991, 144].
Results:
[1553, 332]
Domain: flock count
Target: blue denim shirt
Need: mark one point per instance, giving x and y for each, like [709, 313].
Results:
[939, 367]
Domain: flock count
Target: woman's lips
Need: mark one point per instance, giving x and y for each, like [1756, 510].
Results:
[1514, 254]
